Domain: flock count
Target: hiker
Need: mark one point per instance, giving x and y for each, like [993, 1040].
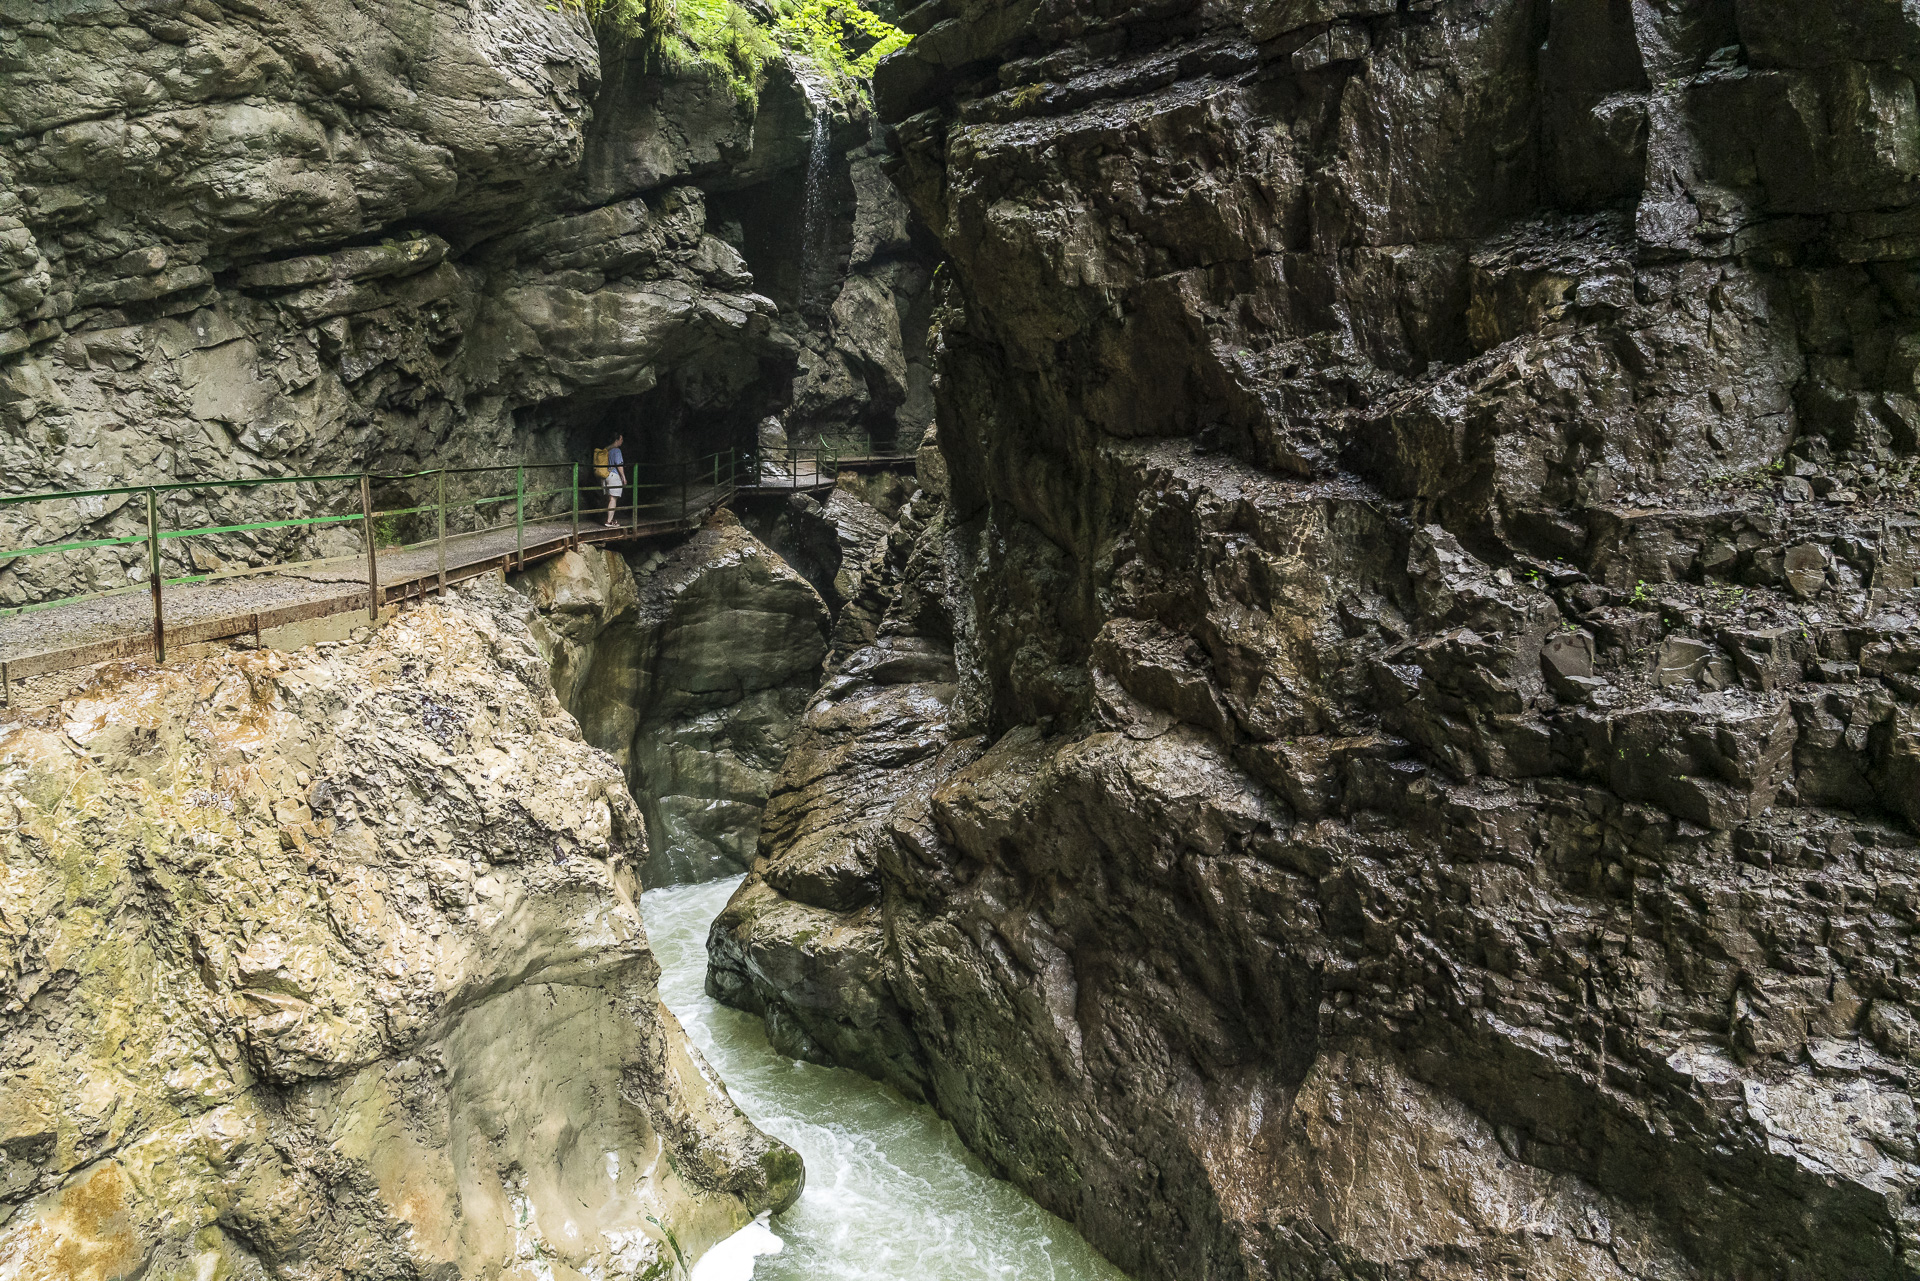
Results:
[609, 465]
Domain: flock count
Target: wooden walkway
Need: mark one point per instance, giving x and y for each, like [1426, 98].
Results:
[120, 627]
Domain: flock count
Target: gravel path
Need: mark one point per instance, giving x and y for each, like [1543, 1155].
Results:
[87, 621]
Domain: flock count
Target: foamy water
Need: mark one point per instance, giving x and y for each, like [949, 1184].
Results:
[892, 1194]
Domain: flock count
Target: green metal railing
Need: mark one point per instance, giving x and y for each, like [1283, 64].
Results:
[805, 466]
[478, 499]
[445, 507]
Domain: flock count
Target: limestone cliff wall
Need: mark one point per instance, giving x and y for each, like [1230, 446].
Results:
[336, 235]
[329, 965]
[1396, 753]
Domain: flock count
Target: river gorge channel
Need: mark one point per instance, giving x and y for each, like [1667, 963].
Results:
[892, 1194]
[959, 640]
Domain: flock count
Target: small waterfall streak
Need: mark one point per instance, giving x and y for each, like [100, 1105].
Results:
[813, 209]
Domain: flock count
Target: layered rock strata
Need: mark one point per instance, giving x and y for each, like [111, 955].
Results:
[329, 965]
[692, 667]
[1400, 754]
[335, 236]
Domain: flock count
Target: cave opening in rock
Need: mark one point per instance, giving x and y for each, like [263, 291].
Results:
[691, 413]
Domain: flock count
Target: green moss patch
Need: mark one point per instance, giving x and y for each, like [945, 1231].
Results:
[837, 37]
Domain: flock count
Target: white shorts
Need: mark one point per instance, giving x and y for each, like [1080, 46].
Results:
[614, 491]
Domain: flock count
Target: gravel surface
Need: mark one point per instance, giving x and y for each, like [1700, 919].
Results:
[87, 621]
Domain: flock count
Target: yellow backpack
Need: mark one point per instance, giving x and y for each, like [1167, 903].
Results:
[600, 463]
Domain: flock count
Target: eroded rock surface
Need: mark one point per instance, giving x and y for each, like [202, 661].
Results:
[867, 363]
[329, 965]
[693, 672]
[333, 235]
[1405, 759]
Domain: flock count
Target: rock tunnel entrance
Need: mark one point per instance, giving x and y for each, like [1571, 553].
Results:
[689, 414]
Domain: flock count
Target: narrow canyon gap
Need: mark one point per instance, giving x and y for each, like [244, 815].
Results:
[1368, 726]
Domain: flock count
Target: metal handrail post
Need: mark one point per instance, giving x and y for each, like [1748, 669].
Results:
[153, 577]
[684, 469]
[443, 531]
[520, 515]
[576, 504]
[373, 554]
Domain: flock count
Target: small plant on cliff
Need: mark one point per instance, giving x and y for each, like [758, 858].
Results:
[1026, 96]
[838, 37]
[723, 35]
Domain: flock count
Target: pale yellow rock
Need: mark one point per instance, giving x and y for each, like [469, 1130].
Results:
[328, 964]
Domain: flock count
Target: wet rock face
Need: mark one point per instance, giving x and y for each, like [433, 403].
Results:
[341, 236]
[1425, 780]
[803, 942]
[692, 668]
[866, 366]
[330, 964]
[332, 237]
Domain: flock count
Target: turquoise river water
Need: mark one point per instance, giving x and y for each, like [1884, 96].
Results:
[892, 1194]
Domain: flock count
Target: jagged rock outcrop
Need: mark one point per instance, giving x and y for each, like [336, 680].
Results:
[1425, 783]
[692, 668]
[329, 965]
[804, 941]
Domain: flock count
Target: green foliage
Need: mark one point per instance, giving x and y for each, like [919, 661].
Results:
[635, 19]
[838, 37]
[679, 35]
[1027, 95]
[1724, 597]
[724, 35]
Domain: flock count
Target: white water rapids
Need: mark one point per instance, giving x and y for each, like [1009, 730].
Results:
[892, 1194]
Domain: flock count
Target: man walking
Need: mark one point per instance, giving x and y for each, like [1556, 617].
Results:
[616, 476]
